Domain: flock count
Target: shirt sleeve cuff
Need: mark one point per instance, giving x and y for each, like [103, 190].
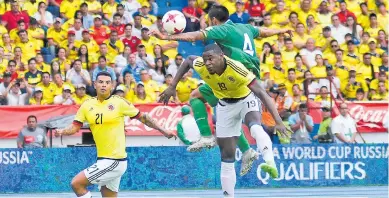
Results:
[77, 123]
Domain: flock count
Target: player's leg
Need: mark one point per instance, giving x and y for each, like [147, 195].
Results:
[110, 181]
[227, 148]
[252, 118]
[106, 192]
[228, 125]
[249, 155]
[79, 184]
[198, 98]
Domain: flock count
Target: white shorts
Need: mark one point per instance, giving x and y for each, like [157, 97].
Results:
[230, 115]
[106, 172]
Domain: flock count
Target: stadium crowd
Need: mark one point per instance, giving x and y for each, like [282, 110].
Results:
[51, 51]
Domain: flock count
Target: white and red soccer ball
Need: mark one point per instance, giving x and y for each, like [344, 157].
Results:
[174, 22]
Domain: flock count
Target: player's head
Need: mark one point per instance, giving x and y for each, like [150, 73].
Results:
[217, 15]
[213, 58]
[103, 83]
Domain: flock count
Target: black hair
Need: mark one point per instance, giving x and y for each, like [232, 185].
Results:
[116, 15]
[22, 31]
[128, 24]
[102, 57]
[120, 5]
[372, 15]
[32, 116]
[83, 4]
[360, 90]
[291, 69]
[86, 56]
[43, 73]
[213, 47]
[219, 12]
[288, 39]
[163, 68]
[302, 106]
[277, 54]
[31, 59]
[11, 61]
[103, 73]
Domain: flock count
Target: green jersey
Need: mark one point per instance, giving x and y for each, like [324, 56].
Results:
[237, 42]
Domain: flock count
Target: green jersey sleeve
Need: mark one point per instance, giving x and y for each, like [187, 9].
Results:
[254, 30]
[215, 33]
[181, 134]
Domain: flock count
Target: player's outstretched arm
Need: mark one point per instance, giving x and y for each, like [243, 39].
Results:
[171, 90]
[189, 36]
[148, 121]
[70, 130]
[269, 104]
[267, 32]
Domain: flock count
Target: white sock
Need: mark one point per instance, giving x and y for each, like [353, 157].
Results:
[87, 195]
[228, 178]
[263, 142]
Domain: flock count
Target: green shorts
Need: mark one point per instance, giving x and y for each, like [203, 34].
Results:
[208, 95]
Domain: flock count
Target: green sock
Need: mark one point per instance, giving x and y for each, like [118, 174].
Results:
[243, 144]
[201, 116]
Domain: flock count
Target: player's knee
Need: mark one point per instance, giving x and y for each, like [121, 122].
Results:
[228, 155]
[76, 185]
[195, 94]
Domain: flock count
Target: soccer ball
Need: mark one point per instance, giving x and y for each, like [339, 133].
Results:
[174, 22]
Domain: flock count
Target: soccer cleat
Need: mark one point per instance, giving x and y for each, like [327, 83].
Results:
[270, 167]
[204, 142]
[248, 159]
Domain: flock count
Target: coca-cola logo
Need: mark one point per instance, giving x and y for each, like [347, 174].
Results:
[368, 117]
[166, 116]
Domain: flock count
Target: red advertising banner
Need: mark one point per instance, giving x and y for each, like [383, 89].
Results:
[369, 116]
[14, 118]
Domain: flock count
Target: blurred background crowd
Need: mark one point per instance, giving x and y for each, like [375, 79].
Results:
[51, 51]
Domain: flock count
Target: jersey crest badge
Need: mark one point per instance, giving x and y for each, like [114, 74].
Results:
[230, 78]
[111, 107]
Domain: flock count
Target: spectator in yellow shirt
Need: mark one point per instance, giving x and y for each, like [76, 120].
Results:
[114, 44]
[48, 88]
[60, 84]
[109, 8]
[352, 85]
[352, 56]
[324, 14]
[375, 53]
[324, 98]
[382, 93]
[366, 70]
[381, 78]
[14, 32]
[147, 19]
[289, 54]
[383, 17]
[278, 72]
[141, 96]
[305, 10]
[319, 70]
[70, 45]
[94, 6]
[363, 18]
[293, 21]
[56, 35]
[36, 33]
[168, 82]
[313, 28]
[267, 58]
[68, 8]
[151, 87]
[29, 47]
[64, 63]
[341, 67]
[279, 15]
[8, 46]
[297, 96]
[41, 65]
[37, 97]
[360, 95]
[120, 91]
[184, 88]
[385, 63]
[300, 68]
[364, 45]
[330, 55]
[80, 95]
[291, 81]
[373, 28]
[148, 41]
[300, 37]
[382, 40]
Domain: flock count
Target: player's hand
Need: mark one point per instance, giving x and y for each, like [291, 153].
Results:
[158, 34]
[284, 131]
[164, 97]
[289, 31]
[58, 132]
[170, 134]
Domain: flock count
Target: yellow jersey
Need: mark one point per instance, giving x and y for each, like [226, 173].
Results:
[184, 88]
[69, 8]
[57, 36]
[319, 71]
[48, 92]
[109, 9]
[79, 100]
[106, 121]
[146, 100]
[232, 83]
[119, 47]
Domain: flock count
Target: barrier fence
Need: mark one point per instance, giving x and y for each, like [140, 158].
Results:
[167, 168]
